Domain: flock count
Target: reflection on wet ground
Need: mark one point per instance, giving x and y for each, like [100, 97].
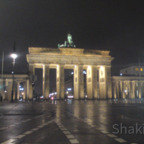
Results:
[72, 121]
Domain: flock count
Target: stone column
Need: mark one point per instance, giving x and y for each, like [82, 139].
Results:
[108, 82]
[6, 88]
[15, 91]
[129, 88]
[78, 82]
[95, 82]
[81, 82]
[31, 73]
[118, 89]
[142, 89]
[18, 92]
[123, 90]
[60, 81]
[132, 96]
[102, 82]
[9, 89]
[114, 89]
[139, 89]
[136, 89]
[27, 89]
[90, 82]
[46, 81]
[98, 84]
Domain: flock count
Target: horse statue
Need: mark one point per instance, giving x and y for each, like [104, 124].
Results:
[68, 43]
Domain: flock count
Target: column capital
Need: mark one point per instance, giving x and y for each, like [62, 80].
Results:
[31, 64]
[59, 65]
[45, 65]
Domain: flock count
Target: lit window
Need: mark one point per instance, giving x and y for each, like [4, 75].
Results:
[136, 69]
[141, 69]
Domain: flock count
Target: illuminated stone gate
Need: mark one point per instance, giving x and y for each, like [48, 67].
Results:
[97, 64]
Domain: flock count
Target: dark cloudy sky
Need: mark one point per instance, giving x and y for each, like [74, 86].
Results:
[116, 25]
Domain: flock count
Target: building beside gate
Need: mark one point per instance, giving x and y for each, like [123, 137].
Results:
[130, 83]
[21, 86]
[128, 87]
[133, 70]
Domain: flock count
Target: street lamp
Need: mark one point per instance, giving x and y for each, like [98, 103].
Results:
[13, 56]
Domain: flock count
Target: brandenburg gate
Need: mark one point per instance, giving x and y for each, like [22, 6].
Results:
[97, 64]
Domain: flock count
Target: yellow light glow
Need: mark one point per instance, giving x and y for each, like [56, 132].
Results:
[141, 69]
[136, 69]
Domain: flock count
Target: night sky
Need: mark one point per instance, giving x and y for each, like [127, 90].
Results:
[116, 25]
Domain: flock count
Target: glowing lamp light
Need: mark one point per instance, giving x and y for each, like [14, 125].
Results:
[84, 72]
[125, 91]
[14, 56]
[69, 89]
[21, 89]
[72, 73]
[121, 74]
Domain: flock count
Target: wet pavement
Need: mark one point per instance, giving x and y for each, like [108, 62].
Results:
[72, 122]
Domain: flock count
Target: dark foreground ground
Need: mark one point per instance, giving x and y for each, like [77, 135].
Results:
[67, 122]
